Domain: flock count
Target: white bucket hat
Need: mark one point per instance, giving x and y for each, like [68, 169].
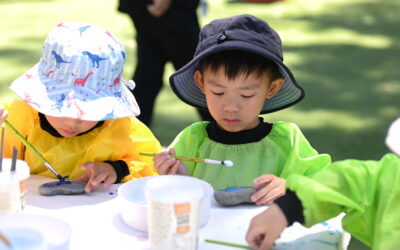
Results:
[393, 137]
[79, 76]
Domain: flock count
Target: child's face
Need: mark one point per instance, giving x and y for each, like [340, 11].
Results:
[69, 127]
[236, 104]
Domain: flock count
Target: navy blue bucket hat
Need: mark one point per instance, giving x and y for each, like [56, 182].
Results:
[243, 32]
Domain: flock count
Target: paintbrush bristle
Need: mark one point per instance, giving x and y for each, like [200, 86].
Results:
[227, 163]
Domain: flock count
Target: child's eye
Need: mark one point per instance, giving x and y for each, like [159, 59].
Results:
[247, 96]
[217, 93]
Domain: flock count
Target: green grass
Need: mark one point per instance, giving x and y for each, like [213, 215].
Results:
[344, 53]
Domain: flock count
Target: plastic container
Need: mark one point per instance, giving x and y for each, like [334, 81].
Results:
[133, 204]
[173, 212]
[13, 186]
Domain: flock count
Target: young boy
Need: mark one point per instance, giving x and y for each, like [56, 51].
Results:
[76, 111]
[367, 191]
[237, 74]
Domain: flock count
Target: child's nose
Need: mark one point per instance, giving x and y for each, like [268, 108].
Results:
[72, 123]
[231, 104]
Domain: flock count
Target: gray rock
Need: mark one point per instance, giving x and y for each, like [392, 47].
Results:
[234, 196]
[62, 188]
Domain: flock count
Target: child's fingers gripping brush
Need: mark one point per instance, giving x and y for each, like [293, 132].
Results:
[234, 196]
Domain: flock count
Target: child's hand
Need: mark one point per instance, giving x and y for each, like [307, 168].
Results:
[166, 164]
[269, 188]
[158, 7]
[266, 227]
[3, 114]
[96, 173]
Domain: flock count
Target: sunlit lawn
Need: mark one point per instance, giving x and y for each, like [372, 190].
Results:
[345, 53]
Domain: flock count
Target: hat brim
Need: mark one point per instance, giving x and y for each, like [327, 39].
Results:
[69, 101]
[183, 85]
[393, 137]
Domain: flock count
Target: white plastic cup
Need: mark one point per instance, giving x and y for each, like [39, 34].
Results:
[173, 212]
[13, 186]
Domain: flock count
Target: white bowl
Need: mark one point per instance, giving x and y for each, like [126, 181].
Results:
[56, 232]
[133, 202]
[23, 238]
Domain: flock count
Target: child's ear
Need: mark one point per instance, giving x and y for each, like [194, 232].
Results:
[199, 80]
[274, 87]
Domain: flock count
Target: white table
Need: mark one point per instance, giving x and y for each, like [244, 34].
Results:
[97, 224]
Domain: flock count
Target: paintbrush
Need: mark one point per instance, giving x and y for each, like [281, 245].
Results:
[14, 159]
[227, 243]
[2, 147]
[5, 240]
[227, 163]
[34, 150]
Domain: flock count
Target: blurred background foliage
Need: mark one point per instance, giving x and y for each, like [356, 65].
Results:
[344, 53]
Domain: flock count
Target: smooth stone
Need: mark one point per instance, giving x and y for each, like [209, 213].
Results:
[234, 196]
[62, 188]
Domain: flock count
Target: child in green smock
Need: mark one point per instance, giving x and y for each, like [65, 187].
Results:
[368, 192]
[237, 74]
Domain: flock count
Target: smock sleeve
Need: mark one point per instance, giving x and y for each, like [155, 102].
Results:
[22, 118]
[367, 191]
[141, 139]
[302, 158]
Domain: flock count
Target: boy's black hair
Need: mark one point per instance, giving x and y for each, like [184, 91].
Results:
[237, 62]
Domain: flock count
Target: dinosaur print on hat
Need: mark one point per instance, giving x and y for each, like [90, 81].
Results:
[79, 75]
[94, 58]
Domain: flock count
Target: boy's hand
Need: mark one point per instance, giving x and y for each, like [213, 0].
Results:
[96, 173]
[164, 163]
[265, 228]
[269, 188]
[158, 7]
[3, 114]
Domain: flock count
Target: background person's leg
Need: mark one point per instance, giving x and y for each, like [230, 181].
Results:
[148, 76]
[180, 48]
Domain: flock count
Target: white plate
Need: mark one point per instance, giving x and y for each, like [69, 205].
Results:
[134, 205]
[56, 232]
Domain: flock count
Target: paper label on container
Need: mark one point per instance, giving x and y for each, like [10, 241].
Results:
[10, 196]
[173, 226]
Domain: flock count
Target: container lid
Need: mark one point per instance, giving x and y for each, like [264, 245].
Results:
[22, 168]
[173, 189]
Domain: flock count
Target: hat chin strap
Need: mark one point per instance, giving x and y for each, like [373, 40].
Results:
[130, 84]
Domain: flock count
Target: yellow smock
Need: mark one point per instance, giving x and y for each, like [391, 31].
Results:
[118, 139]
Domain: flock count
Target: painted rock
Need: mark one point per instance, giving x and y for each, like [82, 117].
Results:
[62, 188]
[234, 196]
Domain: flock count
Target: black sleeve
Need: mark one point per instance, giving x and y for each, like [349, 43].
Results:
[121, 169]
[291, 206]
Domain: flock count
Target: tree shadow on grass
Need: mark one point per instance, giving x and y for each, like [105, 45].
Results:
[361, 81]
[353, 79]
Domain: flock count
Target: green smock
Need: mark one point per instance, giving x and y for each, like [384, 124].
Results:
[283, 151]
[117, 139]
[367, 191]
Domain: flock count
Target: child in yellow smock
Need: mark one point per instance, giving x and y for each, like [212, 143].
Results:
[75, 109]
